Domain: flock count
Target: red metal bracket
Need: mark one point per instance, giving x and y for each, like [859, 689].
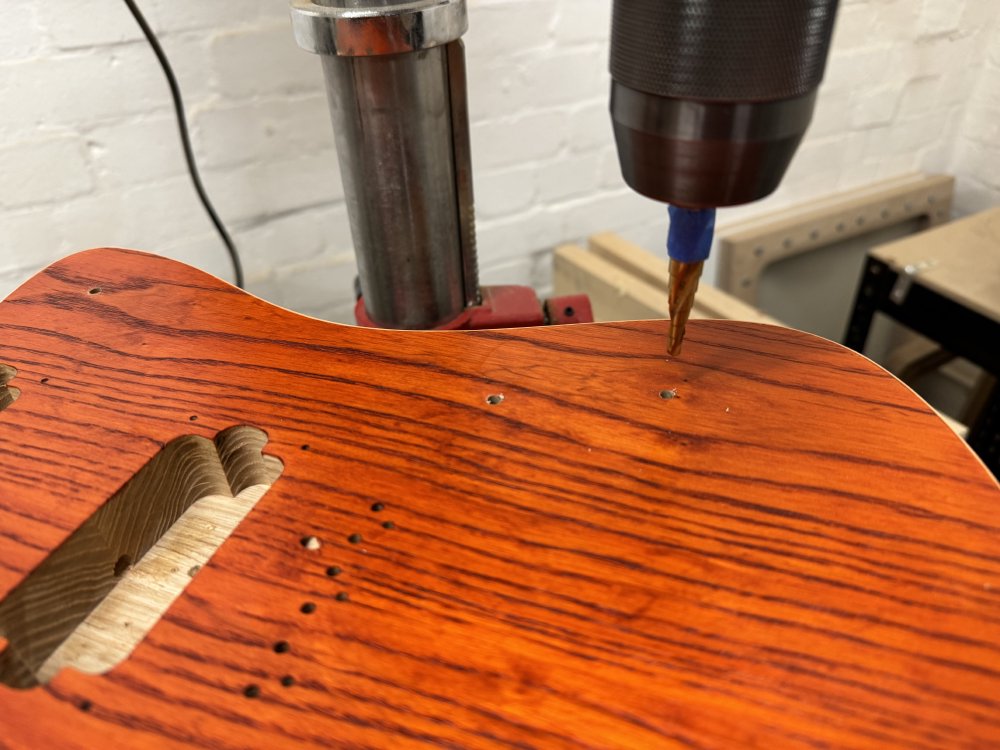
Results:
[508, 307]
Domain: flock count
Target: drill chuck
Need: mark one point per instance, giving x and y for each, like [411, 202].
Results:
[710, 98]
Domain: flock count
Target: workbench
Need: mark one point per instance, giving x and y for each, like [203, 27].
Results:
[944, 284]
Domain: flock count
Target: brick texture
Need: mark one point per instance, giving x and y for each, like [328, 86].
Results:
[90, 156]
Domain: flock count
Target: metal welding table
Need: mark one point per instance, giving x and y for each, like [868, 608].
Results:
[944, 284]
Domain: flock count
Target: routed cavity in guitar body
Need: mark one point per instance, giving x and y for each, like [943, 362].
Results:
[45, 613]
[8, 393]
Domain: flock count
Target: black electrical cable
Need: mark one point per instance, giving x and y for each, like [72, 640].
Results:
[175, 93]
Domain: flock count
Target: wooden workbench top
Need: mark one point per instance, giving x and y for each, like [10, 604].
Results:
[959, 260]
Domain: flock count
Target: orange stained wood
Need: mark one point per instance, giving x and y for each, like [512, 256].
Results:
[768, 542]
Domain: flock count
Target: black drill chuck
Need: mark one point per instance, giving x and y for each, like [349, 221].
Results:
[710, 98]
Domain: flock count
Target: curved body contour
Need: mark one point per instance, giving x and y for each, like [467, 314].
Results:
[791, 551]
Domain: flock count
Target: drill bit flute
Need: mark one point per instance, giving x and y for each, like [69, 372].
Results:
[688, 244]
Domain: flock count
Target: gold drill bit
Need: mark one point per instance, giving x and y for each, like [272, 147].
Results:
[683, 284]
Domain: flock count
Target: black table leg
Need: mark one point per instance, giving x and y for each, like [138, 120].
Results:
[984, 435]
[873, 291]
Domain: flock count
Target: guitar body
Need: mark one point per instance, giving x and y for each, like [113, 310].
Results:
[534, 538]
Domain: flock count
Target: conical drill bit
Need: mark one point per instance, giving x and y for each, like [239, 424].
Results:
[683, 284]
[688, 245]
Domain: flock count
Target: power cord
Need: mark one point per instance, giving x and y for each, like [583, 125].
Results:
[182, 126]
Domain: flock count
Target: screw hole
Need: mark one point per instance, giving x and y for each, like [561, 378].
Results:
[305, 447]
[95, 290]
[86, 705]
[122, 564]
[333, 570]
[308, 608]
[251, 691]
[388, 525]
[378, 506]
[43, 381]
[342, 596]
[354, 538]
[287, 681]
[569, 312]
[494, 399]
[281, 647]
[667, 394]
[193, 418]
[311, 542]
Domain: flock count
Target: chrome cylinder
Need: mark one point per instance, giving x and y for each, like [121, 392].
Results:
[395, 78]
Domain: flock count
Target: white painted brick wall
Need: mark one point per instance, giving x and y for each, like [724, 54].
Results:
[89, 154]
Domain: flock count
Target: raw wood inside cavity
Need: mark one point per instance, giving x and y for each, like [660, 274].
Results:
[8, 393]
[73, 610]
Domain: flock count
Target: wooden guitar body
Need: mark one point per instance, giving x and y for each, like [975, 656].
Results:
[542, 538]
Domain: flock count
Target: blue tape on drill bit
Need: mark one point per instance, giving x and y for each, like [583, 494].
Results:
[690, 237]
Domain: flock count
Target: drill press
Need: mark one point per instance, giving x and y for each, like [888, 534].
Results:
[709, 100]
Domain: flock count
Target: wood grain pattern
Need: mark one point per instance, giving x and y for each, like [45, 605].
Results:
[793, 551]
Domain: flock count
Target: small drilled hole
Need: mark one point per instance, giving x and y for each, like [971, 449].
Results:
[342, 596]
[86, 705]
[193, 418]
[281, 647]
[378, 506]
[311, 542]
[95, 290]
[308, 608]
[354, 538]
[122, 564]
[43, 381]
[569, 312]
[388, 525]
[667, 394]
[251, 691]
[287, 681]
[305, 447]
[494, 399]
[333, 570]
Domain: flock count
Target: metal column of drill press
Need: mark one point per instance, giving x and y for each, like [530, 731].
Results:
[395, 76]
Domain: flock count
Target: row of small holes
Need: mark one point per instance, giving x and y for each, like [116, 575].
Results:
[814, 234]
[313, 543]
